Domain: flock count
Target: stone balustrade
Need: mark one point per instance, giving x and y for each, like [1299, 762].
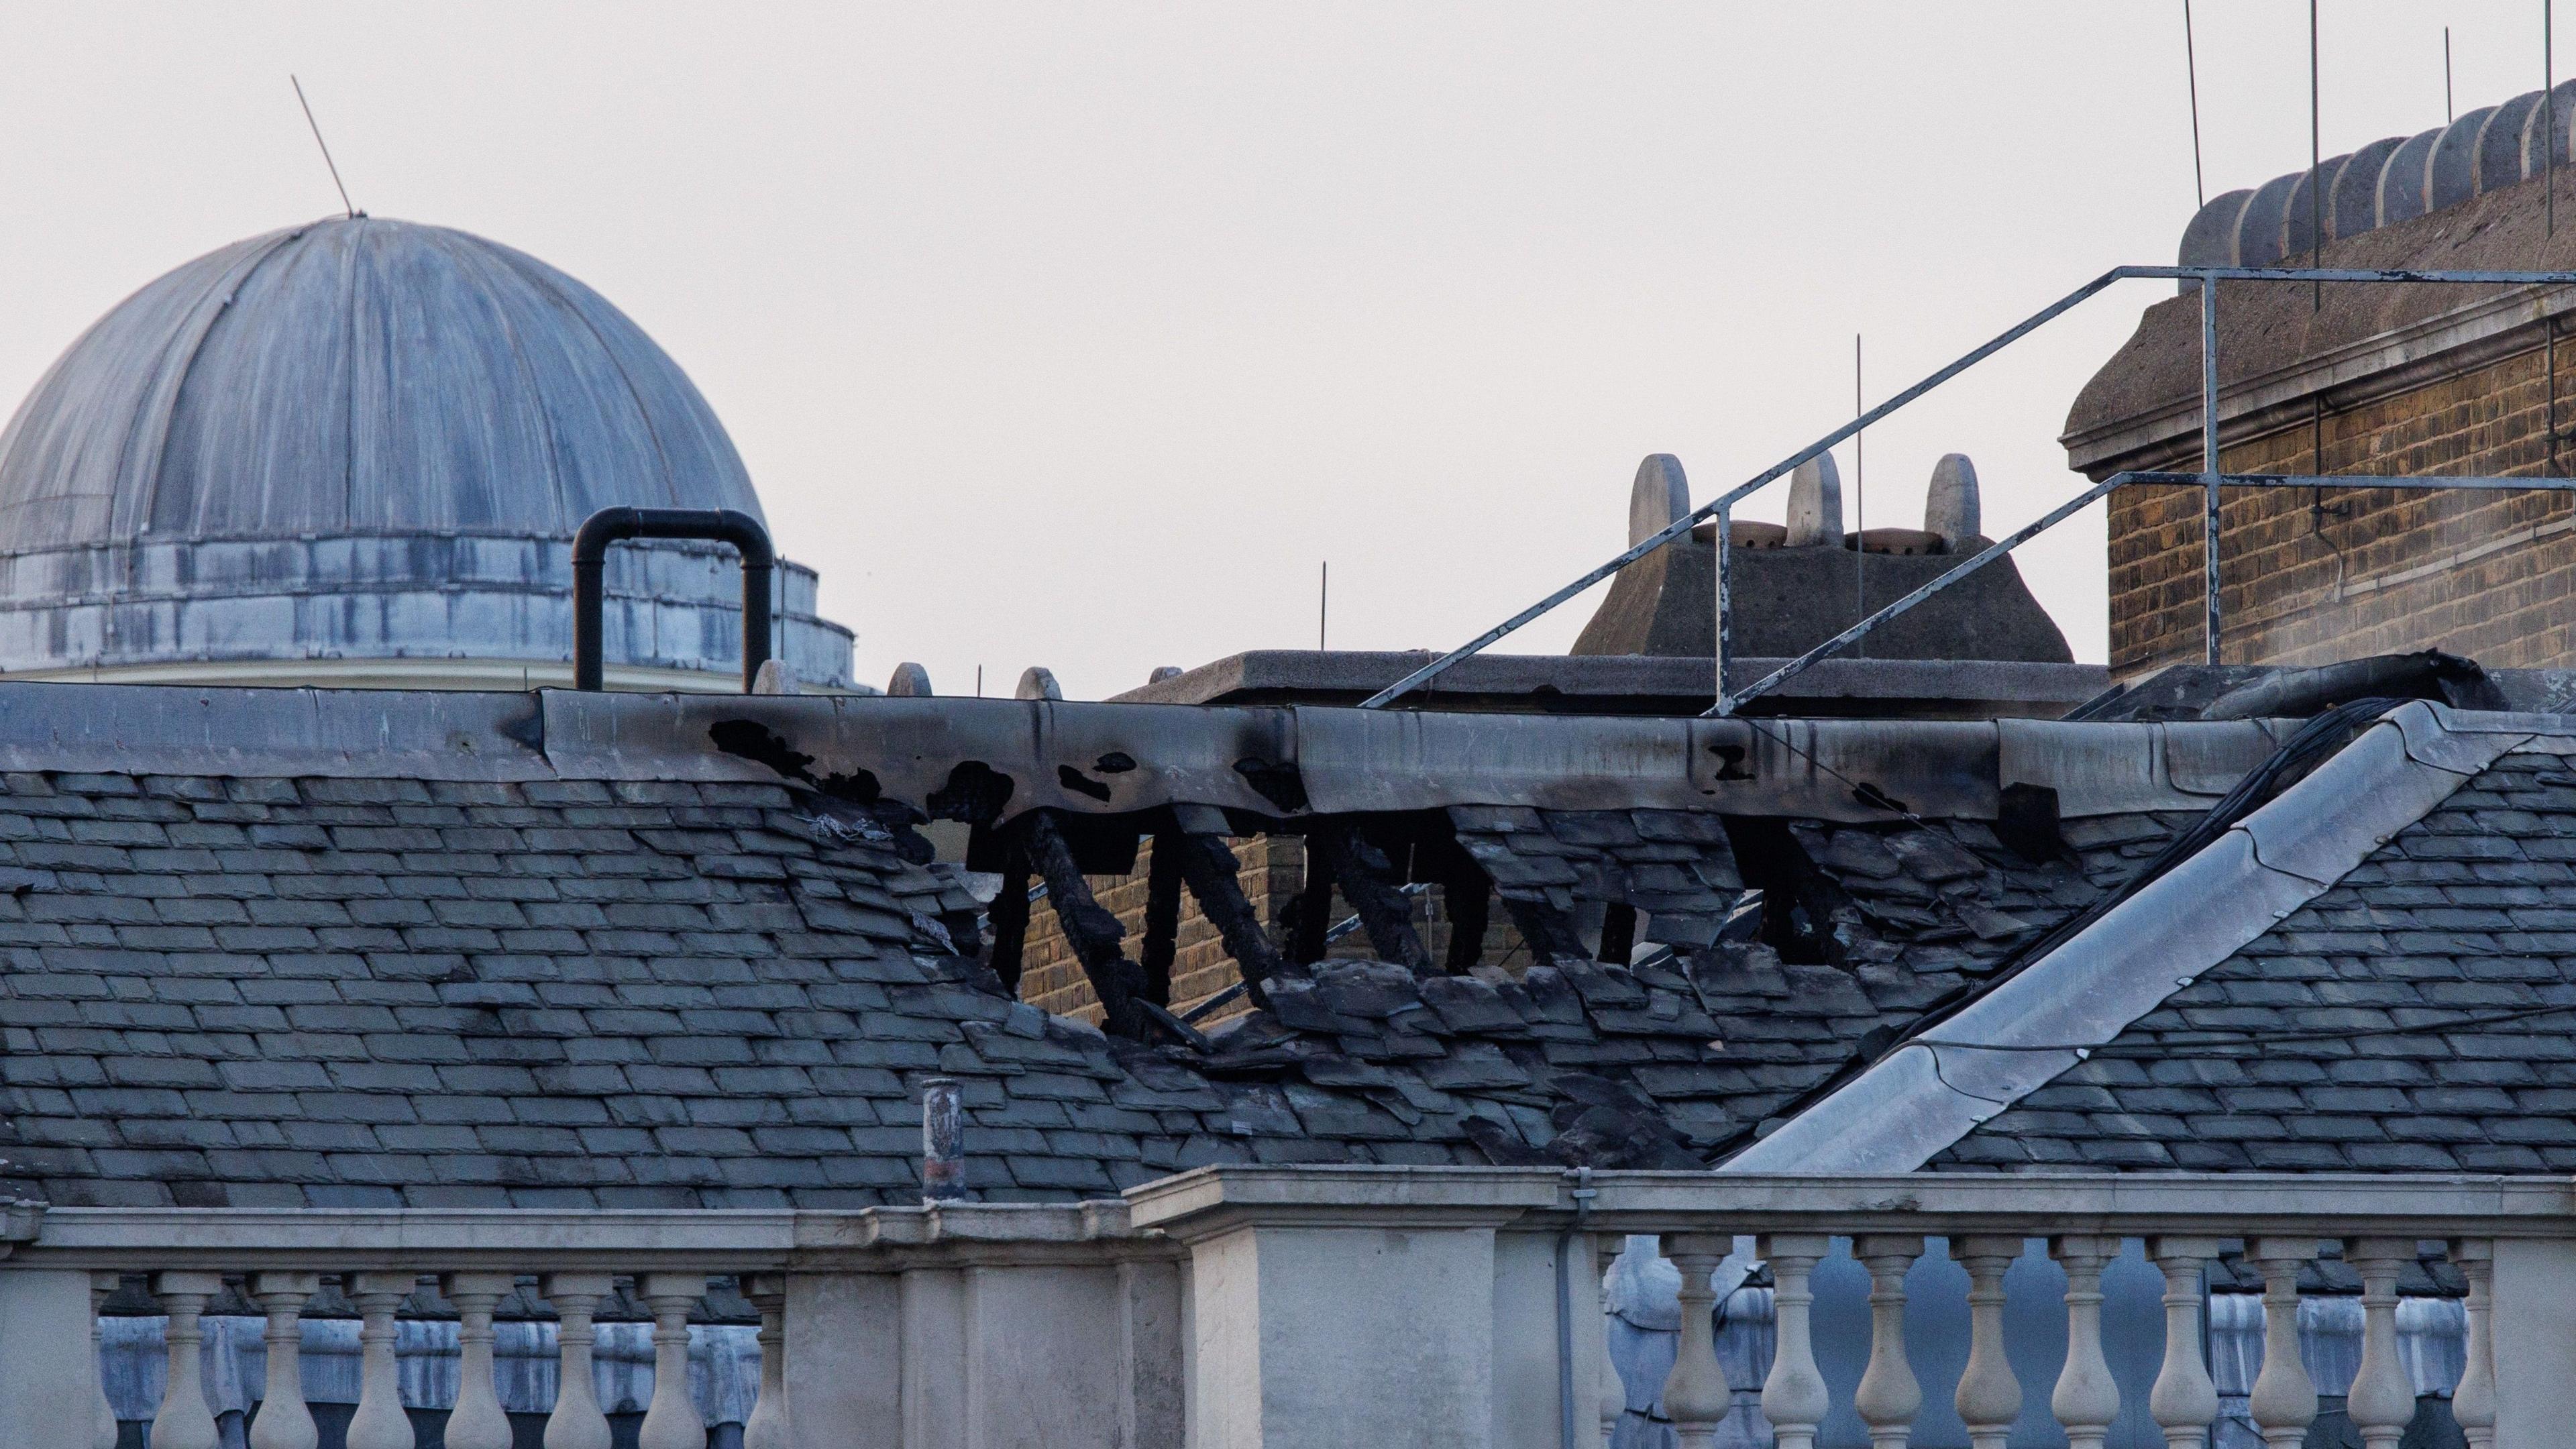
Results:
[874, 1313]
[1280, 1308]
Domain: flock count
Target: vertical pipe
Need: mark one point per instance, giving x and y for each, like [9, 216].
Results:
[2209, 465]
[2548, 120]
[1725, 541]
[1860, 505]
[943, 1141]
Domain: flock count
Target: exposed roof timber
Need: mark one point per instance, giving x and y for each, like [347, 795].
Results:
[1934, 1090]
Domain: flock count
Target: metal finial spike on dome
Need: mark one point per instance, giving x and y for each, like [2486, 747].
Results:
[337, 184]
[1037, 682]
[910, 681]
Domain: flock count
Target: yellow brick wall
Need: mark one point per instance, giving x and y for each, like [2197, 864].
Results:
[2379, 571]
[1274, 868]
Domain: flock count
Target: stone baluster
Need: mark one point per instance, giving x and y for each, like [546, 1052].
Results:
[1614, 1390]
[767, 1428]
[380, 1422]
[1888, 1394]
[2382, 1398]
[185, 1421]
[284, 1421]
[2184, 1402]
[477, 1421]
[1793, 1397]
[2285, 1398]
[671, 1421]
[1989, 1397]
[576, 1422]
[102, 1286]
[1696, 1395]
[2087, 1398]
[2473, 1403]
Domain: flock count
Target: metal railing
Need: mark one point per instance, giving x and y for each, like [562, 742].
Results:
[2209, 478]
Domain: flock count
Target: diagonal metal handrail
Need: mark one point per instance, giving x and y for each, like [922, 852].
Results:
[1790, 670]
[2209, 477]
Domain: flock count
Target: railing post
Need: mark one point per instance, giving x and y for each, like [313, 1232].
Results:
[2284, 1400]
[1697, 1396]
[2473, 1402]
[1989, 1397]
[2184, 1402]
[2382, 1400]
[2209, 463]
[284, 1421]
[2087, 1397]
[185, 1421]
[1614, 1390]
[380, 1422]
[576, 1422]
[671, 1421]
[767, 1428]
[1793, 1397]
[477, 1421]
[102, 1286]
[1888, 1394]
[1725, 531]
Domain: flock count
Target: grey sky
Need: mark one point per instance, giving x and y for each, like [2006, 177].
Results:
[1078, 334]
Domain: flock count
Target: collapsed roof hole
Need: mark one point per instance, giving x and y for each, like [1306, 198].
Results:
[1796, 900]
[975, 793]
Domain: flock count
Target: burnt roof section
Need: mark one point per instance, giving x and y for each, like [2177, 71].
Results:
[350, 948]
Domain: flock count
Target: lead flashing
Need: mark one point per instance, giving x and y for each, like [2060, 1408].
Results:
[1935, 1089]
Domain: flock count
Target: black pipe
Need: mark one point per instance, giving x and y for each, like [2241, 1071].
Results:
[615, 525]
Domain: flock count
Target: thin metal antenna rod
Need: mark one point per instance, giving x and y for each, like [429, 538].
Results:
[2191, 70]
[1323, 603]
[345, 203]
[2448, 114]
[2316, 169]
[1860, 496]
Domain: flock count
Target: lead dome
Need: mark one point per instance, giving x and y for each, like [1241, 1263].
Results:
[355, 452]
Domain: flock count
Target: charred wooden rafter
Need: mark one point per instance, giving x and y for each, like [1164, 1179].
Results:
[1362, 870]
[1092, 931]
[1009, 917]
[1214, 876]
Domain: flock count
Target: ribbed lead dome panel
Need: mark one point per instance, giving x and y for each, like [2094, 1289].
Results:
[239, 428]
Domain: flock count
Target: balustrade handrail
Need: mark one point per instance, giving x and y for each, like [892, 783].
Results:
[2129, 1204]
[715, 1240]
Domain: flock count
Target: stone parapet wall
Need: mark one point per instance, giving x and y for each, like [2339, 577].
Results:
[2310, 581]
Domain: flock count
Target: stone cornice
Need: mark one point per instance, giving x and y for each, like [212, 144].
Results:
[2358, 372]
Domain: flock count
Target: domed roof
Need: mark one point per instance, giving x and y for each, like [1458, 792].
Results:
[357, 376]
[384, 433]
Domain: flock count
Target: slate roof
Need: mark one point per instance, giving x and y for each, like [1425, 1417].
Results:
[351, 991]
[2388, 1025]
[1916, 911]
